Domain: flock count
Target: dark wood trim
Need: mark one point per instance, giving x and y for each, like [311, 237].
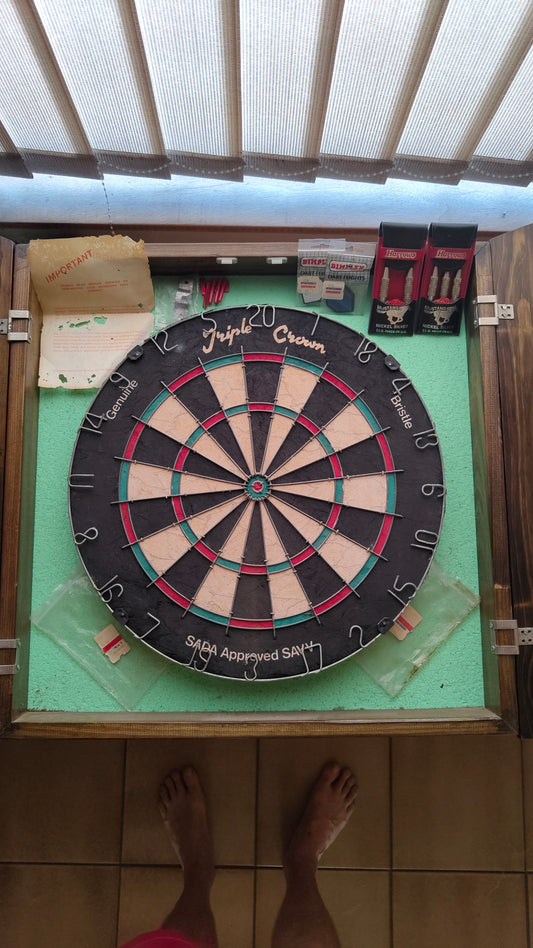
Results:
[7, 656]
[291, 724]
[194, 233]
[18, 516]
[6, 274]
[489, 487]
[513, 283]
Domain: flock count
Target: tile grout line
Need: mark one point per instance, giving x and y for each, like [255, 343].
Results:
[256, 819]
[391, 849]
[323, 869]
[121, 852]
[524, 833]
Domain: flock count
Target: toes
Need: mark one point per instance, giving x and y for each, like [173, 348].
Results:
[164, 795]
[190, 778]
[329, 773]
[349, 784]
[351, 794]
[176, 782]
[344, 778]
[171, 787]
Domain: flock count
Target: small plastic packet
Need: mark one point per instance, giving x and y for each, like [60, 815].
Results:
[313, 257]
[75, 617]
[443, 602]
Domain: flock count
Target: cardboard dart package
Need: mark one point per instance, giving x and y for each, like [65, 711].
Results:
[347, 280]
[444, 283]
[334, 271]
[397, 273]
[313, 257]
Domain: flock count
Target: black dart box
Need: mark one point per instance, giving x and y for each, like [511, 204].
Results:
[397, 273]
[449, 256]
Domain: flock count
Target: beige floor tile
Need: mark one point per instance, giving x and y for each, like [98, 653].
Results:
[56, 906]
[148, 894]
[357, 901]
[287, 768]
[527, 753]
[463, 910]
[227, 769]
[61, 801]
[457, 803]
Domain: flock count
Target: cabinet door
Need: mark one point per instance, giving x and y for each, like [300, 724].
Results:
[6, 275]
[512, 272]
[18, 391]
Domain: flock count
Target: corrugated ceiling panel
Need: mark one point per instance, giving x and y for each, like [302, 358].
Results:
[374, 56]
[32, 107]
[98, 54]
[473, 45]
[194, 69]
[434, 89]
[280, 45]
[510, 134]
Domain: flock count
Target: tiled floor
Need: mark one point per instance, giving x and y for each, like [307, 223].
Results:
[438, 854]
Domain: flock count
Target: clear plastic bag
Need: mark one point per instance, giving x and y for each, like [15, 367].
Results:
[72, 616]
[443, 602]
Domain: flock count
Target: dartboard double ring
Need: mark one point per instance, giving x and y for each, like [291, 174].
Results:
[257, 492]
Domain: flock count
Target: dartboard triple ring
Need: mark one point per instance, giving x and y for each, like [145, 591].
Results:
[257, 492]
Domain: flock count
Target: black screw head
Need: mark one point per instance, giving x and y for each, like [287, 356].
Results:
[135, 353]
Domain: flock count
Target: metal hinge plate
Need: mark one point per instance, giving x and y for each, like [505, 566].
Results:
[500, 311]
[6, 326]
[521, 637]
[9, 643]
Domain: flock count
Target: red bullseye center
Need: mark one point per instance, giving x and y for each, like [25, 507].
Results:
[257, 487]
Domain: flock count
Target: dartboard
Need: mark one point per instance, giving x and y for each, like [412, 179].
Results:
[257, 492]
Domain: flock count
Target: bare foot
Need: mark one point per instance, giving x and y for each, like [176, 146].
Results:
[326, 813]
[183, 809]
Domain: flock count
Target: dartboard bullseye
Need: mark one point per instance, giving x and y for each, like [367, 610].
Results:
[257, 493]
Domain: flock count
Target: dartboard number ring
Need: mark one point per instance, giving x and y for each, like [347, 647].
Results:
[257, 492]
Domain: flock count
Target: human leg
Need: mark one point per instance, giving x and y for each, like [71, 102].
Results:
[303, 920]
[183, 809]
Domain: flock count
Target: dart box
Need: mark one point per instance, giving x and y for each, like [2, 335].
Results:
[474, 387]
[397, 272]
[447, 266]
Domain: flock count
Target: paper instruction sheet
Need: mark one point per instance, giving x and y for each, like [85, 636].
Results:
[96, 295]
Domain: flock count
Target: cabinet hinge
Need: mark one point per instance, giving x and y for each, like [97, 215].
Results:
[6, 326]
[523, 636]
[499, 311]
[9, 669]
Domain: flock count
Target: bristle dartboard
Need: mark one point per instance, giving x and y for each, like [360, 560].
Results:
[257, 492]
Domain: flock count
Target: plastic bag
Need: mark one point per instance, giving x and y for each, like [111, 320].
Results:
[73, 615]
[443, 602]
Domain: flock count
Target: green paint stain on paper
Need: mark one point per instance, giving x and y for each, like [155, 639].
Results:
[63, 378]
[84, 322]
[100, 320]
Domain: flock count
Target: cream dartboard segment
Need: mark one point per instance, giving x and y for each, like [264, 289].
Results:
[257, 493]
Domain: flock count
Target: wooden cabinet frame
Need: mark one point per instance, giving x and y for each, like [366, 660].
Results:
[500, 361]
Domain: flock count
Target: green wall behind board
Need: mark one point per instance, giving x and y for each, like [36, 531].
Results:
[451, 678]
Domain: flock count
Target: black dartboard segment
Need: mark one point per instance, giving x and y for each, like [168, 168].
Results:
[257, 493]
